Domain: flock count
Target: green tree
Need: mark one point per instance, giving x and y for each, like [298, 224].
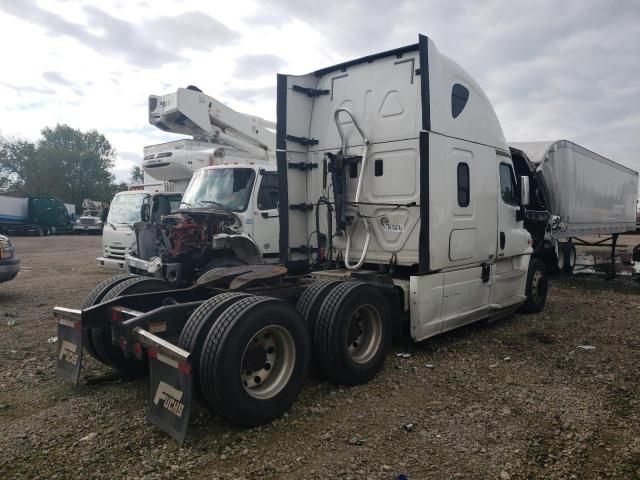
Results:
[66, 162]
[136, 175]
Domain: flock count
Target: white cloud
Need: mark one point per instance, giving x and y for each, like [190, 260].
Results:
[551, 69]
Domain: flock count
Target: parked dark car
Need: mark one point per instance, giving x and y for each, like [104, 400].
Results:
[9, 263]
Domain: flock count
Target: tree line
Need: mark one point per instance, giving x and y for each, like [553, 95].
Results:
[65, 162]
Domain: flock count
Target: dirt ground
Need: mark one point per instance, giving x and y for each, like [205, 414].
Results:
[514, 399]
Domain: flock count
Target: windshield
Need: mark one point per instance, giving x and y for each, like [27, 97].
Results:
[126, 208]
[90, 213]
[229, 187]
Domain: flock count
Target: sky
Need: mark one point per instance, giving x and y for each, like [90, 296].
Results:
[552, 69]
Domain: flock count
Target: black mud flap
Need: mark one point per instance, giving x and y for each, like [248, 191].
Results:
[69, 353]
[171, 394]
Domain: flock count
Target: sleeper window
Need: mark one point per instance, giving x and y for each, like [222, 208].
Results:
[459, 97]
[508, 186]
[464, 191]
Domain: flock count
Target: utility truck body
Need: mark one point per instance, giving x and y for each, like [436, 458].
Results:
[399, 211]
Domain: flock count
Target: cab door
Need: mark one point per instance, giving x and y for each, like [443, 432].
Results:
[509, 277]
[265, 219]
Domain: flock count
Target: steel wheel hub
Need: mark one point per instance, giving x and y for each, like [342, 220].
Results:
[268, 362]
[364, 333]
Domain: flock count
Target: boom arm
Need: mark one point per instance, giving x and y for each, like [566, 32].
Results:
[191, 112]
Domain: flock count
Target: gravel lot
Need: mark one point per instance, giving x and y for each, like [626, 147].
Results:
[515, 399]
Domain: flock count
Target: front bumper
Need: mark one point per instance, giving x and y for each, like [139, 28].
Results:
[87, 228]
[111, 263]
[9, 268]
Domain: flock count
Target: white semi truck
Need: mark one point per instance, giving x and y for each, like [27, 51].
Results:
[399, 210]
[228, 215]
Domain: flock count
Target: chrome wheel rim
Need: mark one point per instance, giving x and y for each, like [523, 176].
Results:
[364, 333]
[267, 362]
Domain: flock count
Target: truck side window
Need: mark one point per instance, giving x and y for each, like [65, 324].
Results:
[459, 97]
[268, 192]
[508, 187]
[464, 188]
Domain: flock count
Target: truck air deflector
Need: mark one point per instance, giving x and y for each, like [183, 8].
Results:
[423, 248]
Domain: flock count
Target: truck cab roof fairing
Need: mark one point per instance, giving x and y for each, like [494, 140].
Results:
[305, 124]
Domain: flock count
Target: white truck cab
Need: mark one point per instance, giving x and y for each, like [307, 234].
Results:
[118, 234]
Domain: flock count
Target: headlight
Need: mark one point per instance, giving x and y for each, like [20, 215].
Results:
[6, 249]
[98, 222]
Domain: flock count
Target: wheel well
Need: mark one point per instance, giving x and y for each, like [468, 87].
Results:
[245, 249]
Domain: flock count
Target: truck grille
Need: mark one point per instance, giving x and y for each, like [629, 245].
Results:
[87, 221]
[117, 253]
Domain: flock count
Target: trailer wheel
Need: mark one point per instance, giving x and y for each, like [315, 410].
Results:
[254, 360]
[571, 257]
[537, 285]
[109, 353]
[195, 331]
[353, 333]
[94, 298]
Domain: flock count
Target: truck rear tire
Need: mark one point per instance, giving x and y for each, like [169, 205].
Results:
[109, 353]
[254, 360]
[537, 286]
[94, 298]
[311, 300]
[199, 324]
[353, 333]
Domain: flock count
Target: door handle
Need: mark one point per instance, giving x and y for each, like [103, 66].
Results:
[503, 240]
[266, 215]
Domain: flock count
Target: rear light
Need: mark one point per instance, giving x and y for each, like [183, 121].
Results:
[151, 353]
[137, 351]
[184, 367]
[115, 316]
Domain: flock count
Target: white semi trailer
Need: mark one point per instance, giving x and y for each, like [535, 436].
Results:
[582, 193]
[399, 211]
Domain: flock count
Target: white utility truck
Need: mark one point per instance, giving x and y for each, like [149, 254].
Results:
[167, 168]
[228, 214]
[91, 219]
[399, 211]
[582, 193]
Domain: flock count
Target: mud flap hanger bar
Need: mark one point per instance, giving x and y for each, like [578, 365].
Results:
[171, 384]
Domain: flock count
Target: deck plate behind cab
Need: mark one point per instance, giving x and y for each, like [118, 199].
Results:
[243, 276]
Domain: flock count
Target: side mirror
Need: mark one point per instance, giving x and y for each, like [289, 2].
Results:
[524, 191]
[145, 210]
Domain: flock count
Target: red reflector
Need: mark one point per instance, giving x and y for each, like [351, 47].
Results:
[77, 325]
[152, 353]
[137, 350]
[115, 316]
[123, 344]
[184, 367]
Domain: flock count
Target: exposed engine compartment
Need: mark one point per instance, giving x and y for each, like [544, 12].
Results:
[185, 238]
